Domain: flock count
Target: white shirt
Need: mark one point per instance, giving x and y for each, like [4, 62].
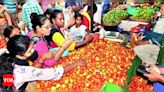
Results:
[24, 74]
[80, 31]
[159, 27]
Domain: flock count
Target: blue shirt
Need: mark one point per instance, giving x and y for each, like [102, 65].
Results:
[106, 6]
[73, 3]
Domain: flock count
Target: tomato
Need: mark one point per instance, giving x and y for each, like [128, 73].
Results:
[140, 84]
[106, 62]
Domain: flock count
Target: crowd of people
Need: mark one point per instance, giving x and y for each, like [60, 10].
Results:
[45, 25]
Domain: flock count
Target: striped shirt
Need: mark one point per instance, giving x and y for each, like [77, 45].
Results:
[11, 5]
[29, 7]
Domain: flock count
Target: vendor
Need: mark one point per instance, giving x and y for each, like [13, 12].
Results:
[153, 36]
[78, 29]
[145, 50]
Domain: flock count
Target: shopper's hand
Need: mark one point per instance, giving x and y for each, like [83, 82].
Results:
[153, 69]
[48, 55]
[67, 43]
[154, 76]
[81, 63]
[88, 38]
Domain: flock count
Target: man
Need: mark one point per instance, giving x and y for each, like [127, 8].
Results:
[29, 7]
[149, 52]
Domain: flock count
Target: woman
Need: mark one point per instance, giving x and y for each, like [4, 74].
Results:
[41, 28]
[11, 31]
[57, 18]
[15, 62]
[5, 19]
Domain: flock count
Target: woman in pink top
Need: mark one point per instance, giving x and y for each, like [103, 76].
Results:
[41, 27]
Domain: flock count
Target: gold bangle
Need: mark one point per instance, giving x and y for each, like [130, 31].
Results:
[42, 60]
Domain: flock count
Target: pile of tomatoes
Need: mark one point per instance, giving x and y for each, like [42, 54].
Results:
[139, 84]
[2, 42]
[106, 62]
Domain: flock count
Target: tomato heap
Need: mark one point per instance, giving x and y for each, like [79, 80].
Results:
[140, 84]
[106, 62]
[2, 42]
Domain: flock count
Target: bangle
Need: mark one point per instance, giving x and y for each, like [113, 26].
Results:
[42, 58]
[62, 47]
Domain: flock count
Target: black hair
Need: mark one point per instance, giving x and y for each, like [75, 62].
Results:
[8, 30]
[79, 15]
[1, 2]
[54, 14]
[37, 20]
[48, 11]
[94, 8]
[16, 45]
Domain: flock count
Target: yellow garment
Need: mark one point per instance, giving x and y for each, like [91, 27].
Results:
[88, 17]
[59, 40]
[2, 15]
[30, 63]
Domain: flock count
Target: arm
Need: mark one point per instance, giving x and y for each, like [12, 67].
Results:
[59, 53]
[69, 67]
[27, 73]
[88, 38]
[8, 18]
[24, 74]
[80, 44]
[44, 54]
[59, 40]
[77, 8]
[71, 22]
[161, 79]
[40, 62]
[155, 74]
[155, 77]
[161, 70]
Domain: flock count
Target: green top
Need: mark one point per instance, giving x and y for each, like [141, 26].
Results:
[160, 60]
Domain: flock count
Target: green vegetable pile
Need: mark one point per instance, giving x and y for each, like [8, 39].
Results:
[120, 13]
[144, 14]
[114, 16]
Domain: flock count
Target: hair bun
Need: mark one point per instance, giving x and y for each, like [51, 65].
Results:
[33, 16]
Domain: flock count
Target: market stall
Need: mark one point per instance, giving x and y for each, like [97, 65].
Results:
[107, 62]
[111, 66]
